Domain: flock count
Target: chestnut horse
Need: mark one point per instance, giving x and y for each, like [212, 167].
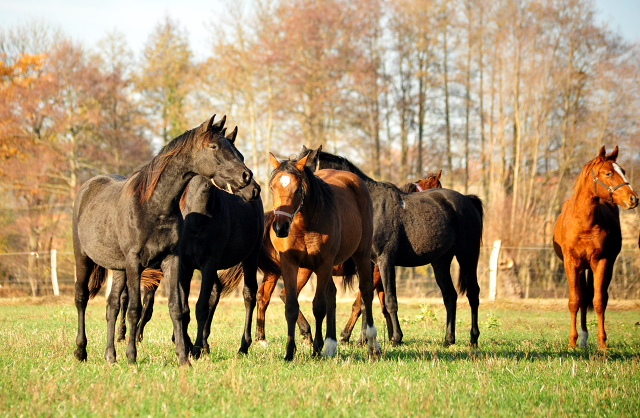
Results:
[346, 270]
[321, 220]
[587, 236]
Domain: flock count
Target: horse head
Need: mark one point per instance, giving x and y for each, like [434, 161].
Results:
[432, 181]
[609, 181]
[288, 189]
[219, 159]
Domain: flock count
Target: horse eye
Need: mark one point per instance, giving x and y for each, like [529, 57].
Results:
[608, 175]
[214, 147]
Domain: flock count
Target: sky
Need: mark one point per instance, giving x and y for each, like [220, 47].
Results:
[88, 21]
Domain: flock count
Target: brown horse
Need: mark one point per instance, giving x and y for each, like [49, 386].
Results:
[587, 236]
[346, 270]
[321, 221]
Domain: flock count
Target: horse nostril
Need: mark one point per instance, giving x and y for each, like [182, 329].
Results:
[246, 177]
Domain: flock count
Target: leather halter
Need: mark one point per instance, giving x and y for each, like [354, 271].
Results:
[418, 187]
[597, 181]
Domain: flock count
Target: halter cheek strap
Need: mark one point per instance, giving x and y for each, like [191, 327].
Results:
[418, 187]
[597, 181]
[287, 214]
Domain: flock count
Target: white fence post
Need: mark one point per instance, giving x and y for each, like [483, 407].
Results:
[109, 282]
[493, 269]
[54, 272]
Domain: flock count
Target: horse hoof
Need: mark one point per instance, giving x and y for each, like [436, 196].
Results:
[184, 363]
[263, 343]
[196, 352]
[448, 343]
[80, 354]
[307, 340]
[395, 343]
[205, 349]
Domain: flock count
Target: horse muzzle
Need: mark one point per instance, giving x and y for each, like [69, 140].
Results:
[633, 201]
[251, 192]
[281, 230]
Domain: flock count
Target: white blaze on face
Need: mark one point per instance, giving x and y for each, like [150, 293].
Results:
[285, 180]
[619, 171]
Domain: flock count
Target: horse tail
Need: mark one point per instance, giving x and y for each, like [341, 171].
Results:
[231, 277]
[96, 280]
[477, 203]
[151, 278]
[348, 271]
[589, 290]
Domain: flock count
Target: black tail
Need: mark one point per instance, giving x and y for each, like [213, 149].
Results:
[477, 203]
[96, 280]
[231, 278]
[348, 271]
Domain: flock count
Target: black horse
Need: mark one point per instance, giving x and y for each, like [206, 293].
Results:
[129, 224]
[220, 231]
[417, 229]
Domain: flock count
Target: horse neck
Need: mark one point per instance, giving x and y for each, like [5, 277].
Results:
[174, 179]
[585, 201]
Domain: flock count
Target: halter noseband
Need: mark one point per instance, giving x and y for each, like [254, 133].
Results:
[597, 181]
[418, 187]
[287, 214]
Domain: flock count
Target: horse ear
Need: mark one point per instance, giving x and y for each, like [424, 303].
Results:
[219, 124]
[304, 149]
[300, 164]
[614, 154]
[206, 125]
[232, 136]
[319, 150]
[603, 153]
[224, 130]
[438, 175]
[274, 161]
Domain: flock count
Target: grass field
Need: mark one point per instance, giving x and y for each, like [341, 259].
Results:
[522, 367]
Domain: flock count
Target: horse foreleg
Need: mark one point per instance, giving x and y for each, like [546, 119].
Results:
[264, 297]
[124, 304]
[303, 324]
[250, 267]
[178, 285]
[441, 269]
[330, 342]
[84, 268]
[601, 279]
[575, 277]
[113, 306]
[292, 308]
[213, 304]
[135, 306]
[323, 275]
[377, 285]
[209, 277]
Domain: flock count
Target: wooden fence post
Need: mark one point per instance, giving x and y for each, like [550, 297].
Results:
[493, 269]
[54, 272]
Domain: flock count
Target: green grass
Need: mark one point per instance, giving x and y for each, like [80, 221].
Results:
[522, 367]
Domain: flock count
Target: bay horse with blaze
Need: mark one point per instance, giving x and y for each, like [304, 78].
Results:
[587, 237]
[321, 220]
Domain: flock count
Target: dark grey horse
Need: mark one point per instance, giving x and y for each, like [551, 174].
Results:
[129, 224]
[220, 231]
[417, 229]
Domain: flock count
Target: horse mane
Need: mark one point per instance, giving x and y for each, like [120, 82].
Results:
[409, 188]
[317, 193]
[144, 180]
[584, 173]
[346, 165]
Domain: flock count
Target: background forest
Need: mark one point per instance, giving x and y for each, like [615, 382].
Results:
[509, 98]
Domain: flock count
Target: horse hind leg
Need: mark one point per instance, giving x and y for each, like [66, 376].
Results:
[388, 278]
[363, 265]
[147, 311]
[264, 297]
[356, 309]
[113, 306]
[124, 303]
[468, 273]
[441, 269]
[213, 305]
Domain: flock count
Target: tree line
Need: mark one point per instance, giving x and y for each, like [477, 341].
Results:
[508, 97]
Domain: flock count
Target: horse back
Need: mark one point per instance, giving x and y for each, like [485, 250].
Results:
[354, 209]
